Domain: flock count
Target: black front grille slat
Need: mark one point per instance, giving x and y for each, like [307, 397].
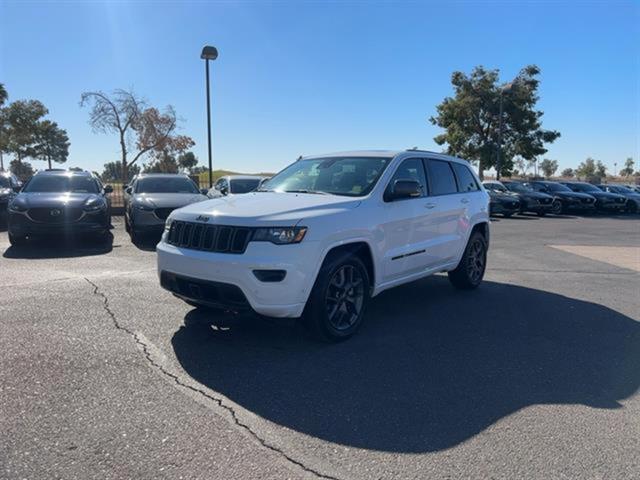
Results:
[211, 238]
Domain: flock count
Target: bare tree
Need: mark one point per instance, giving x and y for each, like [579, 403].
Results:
[129, 116]
[118, 113]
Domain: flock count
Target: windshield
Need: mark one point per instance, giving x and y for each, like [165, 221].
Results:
[584, 187]
[244, 185]
[620, 189]
[349, 176]
[556, 187]
[166, 185]
[62, 184]
[496, 187]
[518, 187]
[4, 182]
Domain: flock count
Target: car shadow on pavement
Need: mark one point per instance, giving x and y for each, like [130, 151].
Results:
[431, 367]
[60, 247]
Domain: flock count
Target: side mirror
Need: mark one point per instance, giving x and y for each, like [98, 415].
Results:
[108, 189]
[128, 190]
[204, 191]
[403, 189]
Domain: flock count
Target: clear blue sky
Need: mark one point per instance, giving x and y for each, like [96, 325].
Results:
[301, 78]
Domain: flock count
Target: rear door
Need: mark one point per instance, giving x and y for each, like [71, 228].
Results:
[447, 207]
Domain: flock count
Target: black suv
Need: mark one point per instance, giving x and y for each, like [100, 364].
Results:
[605, 201]
[60, 202]
[9, 186]
[564, 199]
[530, 200]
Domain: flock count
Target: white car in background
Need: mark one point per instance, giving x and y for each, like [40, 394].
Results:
[326, 234]
[235, 185]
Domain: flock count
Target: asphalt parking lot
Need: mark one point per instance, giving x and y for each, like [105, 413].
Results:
[534, 375]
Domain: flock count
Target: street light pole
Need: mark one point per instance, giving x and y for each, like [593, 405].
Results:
[498, 160]
[209, 53]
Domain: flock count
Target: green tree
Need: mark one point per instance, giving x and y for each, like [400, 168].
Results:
[568, 173]
[471, 118]
[4, 134]
[549, 167]
[188, 161]
[23, 170]
[601, 169]
[22, 118]
[112, 171]
[165, 164]
[628, 167]
[52, 143]
[587, 168]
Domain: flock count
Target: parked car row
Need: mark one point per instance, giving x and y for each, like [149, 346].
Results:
[542, 197]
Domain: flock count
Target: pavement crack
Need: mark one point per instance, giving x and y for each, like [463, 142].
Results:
[218, 401]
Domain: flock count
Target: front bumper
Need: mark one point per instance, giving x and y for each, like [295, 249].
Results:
[286, 298]
[20, 224]
[535, 206]
[499, 207]
[611, 206]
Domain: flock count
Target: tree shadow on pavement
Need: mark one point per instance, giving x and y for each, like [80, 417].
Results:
[60, 247]
[430, 368]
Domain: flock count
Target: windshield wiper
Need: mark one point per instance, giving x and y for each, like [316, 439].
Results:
[307, 191]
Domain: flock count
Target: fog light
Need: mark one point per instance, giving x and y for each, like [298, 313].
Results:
[270, 276]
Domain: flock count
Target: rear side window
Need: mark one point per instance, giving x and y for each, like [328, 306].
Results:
[466, 180]
[442, 180]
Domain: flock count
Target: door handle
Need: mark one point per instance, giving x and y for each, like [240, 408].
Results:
[430, 205]
[465, 200]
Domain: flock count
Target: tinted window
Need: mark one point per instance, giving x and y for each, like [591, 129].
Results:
[166, 185]
[410, 169]
[244, 185]
[62, 184]
[441, 177]
[4, 182]
[466, 180]
[349, 176]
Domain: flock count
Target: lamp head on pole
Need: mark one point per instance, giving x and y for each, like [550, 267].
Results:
[209, 53]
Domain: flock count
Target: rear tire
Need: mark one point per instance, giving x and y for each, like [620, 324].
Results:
[337, 303]
[17, 240]
[470, 271]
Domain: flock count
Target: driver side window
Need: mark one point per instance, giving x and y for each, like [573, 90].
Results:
[410, 169]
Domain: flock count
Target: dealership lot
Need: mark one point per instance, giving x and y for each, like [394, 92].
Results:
[535, 374]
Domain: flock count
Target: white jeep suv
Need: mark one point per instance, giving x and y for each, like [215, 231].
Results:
[326, 234]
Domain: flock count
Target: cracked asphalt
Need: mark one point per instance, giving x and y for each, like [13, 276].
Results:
[534, 375]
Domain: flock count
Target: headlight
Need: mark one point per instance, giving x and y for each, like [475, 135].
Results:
[280, 235]
[143, 207]
[17, 208]
[95, 206]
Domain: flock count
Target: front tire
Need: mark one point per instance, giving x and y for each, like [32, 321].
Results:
[556, 207]
[339, 298]
[17, 240]
[470, 271]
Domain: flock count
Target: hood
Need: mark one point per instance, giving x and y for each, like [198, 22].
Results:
[571, 195]
[502, 195]
[167, 200]
[533, 195]
[606, 195]
[270, 208]
[52, 200]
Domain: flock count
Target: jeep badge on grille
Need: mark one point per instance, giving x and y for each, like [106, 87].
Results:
[202, 218]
